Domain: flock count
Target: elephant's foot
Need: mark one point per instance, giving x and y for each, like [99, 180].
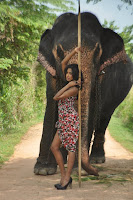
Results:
[96, 159]
[90, 170]
[97, 153]
[44, 169]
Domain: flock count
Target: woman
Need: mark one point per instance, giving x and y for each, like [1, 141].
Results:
[68, 121]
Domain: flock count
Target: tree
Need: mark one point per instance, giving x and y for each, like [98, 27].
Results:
[41, 11]
[21, 26]
[127, 35]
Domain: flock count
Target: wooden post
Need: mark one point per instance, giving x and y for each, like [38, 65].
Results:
[79, 95]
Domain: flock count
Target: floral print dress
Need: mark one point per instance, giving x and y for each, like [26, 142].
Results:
[68, 123]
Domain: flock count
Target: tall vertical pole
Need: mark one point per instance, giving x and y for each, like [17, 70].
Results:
[79, 95]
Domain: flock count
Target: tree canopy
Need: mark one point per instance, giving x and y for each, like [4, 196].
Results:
[22, 23]
[40, 11]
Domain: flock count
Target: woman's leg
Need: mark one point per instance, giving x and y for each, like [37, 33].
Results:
[70, 163]
[55, 148]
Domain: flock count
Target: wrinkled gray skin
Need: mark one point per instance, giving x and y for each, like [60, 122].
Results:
[98, 45]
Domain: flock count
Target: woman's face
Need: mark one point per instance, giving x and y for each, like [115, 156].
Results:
[69, 76]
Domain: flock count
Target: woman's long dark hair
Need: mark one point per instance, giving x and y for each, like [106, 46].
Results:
[75, 71]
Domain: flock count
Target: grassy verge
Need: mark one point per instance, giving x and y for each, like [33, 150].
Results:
[120, 133]
[107, 179]
[13, 137]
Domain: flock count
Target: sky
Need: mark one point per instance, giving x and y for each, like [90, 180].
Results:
[107, 9]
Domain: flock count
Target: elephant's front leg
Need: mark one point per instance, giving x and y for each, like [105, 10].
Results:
[46, 163]
[97, 152]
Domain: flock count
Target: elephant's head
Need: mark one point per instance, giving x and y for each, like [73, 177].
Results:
[97, 47]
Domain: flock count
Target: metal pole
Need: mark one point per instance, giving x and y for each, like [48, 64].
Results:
[79, 95]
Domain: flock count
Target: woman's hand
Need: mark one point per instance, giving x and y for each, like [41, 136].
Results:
[78, 82]
[73, 83]
[77, 49]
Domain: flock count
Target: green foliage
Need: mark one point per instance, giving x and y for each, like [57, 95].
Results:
[5, 63]
[110, 25]
[107, 178]
[39, 11]
[19, 103]
[121, 133]
[94, 1]
[121, 124]
[127, 35]
[125, 110]
[19, 37]
[22, 80]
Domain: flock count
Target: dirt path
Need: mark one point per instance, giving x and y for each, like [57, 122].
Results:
[18, 182]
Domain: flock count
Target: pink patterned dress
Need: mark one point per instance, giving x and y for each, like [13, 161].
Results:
[68, 123]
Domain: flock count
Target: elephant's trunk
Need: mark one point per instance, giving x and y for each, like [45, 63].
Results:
[85, 99]
[89, 62]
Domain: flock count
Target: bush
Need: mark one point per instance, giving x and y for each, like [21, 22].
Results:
[23, 99]
[125, 110]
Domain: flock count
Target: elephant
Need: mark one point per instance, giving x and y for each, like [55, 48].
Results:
[108, 77]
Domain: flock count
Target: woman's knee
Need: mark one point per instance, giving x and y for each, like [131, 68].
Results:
[54, 148]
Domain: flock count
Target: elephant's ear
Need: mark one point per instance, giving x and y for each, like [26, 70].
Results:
[45, 55]
[111, 44]
[112, 49]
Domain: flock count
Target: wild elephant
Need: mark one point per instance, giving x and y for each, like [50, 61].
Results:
[108, 77]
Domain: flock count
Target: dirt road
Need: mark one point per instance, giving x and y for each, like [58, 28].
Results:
[18, 182]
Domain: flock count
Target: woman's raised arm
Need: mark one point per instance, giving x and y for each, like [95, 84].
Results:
[67, 58]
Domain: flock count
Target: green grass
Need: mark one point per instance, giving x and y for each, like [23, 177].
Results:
[13, 137]
[107, 179]
[120, 133]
